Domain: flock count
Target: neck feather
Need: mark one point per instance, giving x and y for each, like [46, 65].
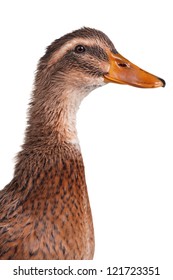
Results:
[54, 112]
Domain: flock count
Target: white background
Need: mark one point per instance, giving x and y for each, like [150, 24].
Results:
[125, 133]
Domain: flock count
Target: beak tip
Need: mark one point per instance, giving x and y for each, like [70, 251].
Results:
[163, 82]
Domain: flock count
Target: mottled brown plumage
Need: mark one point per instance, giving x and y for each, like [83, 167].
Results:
[45, 211]
[46, 214]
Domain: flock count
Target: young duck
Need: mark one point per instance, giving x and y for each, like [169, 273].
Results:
[45, 211]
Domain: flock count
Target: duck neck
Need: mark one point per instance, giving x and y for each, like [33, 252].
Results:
[54, 112]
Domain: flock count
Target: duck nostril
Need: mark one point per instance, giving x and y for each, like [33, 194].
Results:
[122, 64]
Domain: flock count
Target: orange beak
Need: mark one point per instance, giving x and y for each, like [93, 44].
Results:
[122, 71]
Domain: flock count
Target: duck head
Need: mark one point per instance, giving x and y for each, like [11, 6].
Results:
[71, 68]
[87, 58]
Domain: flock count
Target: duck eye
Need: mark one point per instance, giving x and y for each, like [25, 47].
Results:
[79, 49]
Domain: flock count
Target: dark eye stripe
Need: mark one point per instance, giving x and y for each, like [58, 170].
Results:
[97, 52]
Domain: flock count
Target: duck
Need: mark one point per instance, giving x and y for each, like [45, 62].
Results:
[45, 212]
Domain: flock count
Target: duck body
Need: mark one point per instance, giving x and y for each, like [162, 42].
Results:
[45, 211]
[51, 222]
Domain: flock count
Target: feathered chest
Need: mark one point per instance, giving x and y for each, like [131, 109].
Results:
[52, 217]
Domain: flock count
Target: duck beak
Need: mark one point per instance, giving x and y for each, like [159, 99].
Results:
[122, 71]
